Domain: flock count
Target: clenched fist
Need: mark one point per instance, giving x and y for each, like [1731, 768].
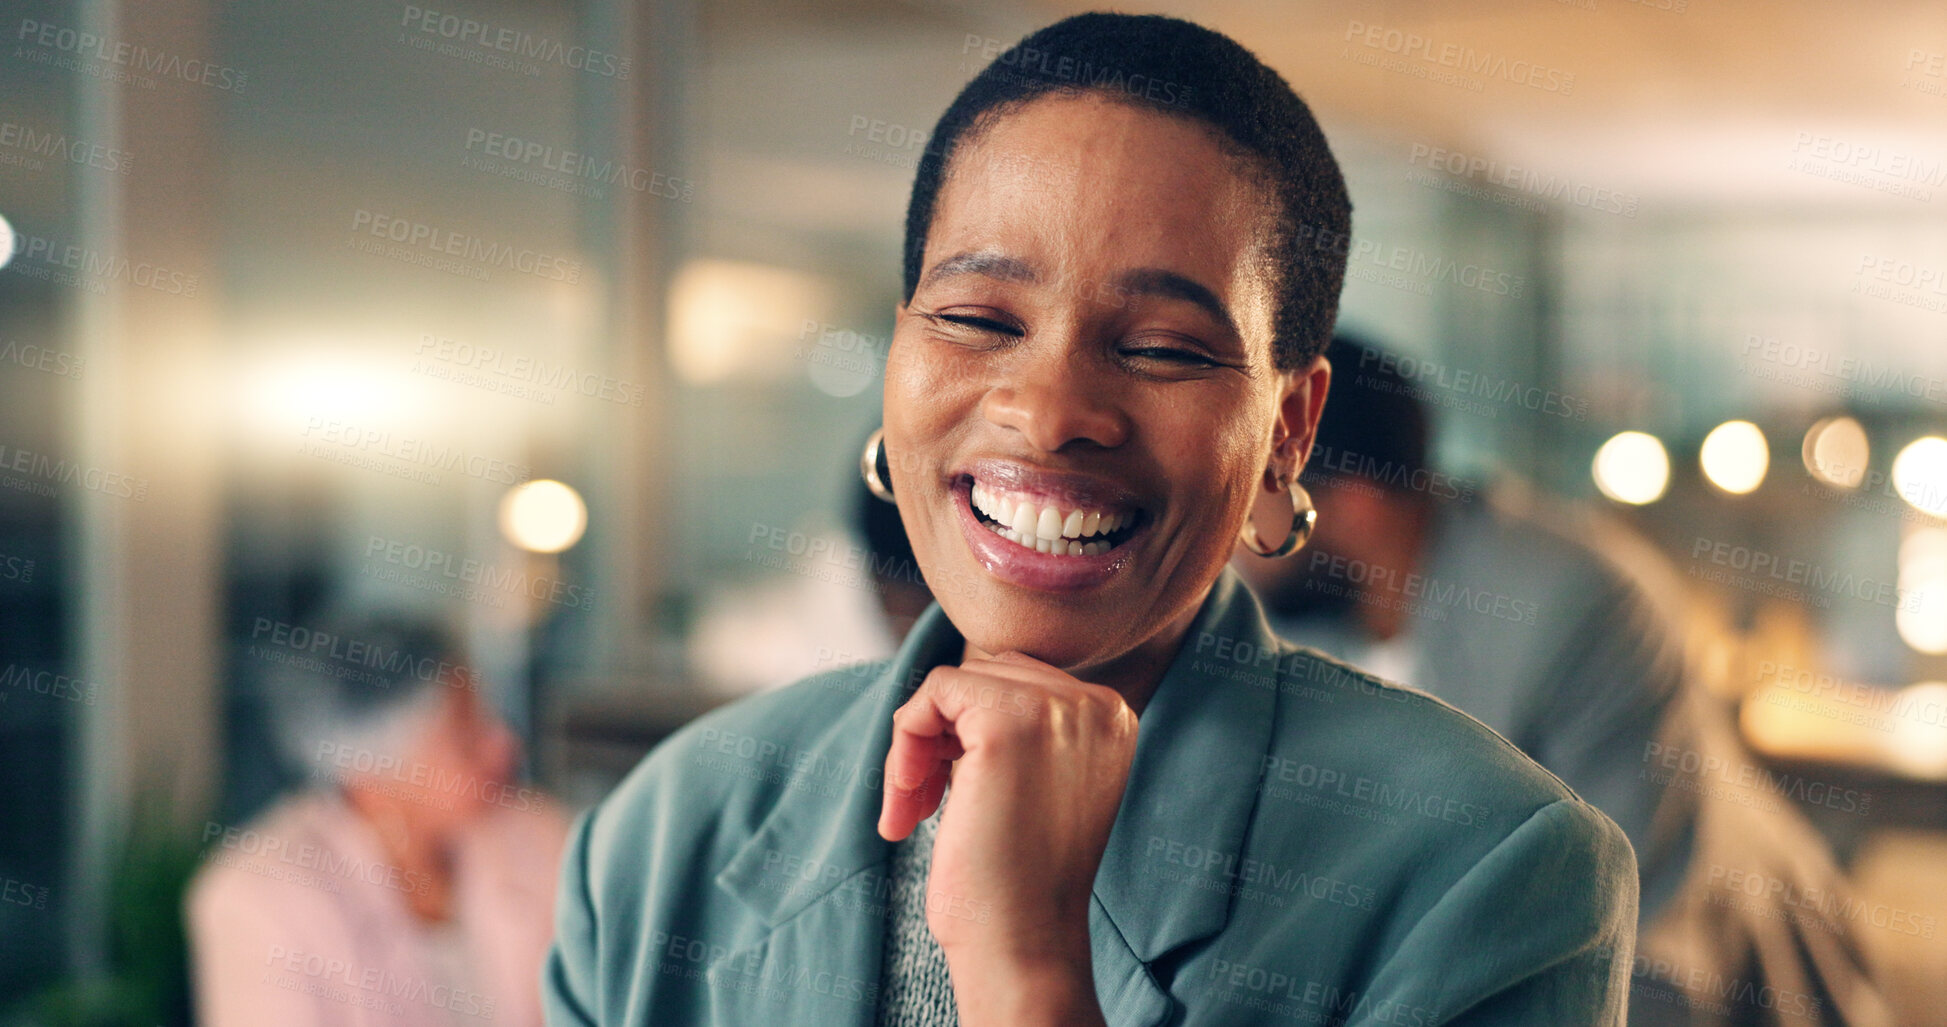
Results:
[1038, 762]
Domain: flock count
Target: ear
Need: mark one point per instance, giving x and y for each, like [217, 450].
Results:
[1301, 399]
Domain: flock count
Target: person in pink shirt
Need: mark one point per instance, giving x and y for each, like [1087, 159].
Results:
[411, 884]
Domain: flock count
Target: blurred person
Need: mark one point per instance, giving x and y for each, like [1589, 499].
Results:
[412, 882]
[1092, 787]
[1559, 629]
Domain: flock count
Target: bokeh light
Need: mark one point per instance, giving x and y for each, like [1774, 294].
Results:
[1919, 740]
[1921, 615]
[1735, 457]
[543, 516]
[1836, 452]
[1920, 474]
[1632, 467]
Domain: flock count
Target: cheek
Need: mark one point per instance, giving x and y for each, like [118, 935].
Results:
[928, 397]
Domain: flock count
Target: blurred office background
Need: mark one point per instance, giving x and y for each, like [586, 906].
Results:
[302, 296]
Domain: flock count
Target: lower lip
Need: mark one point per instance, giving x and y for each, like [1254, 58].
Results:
[1030, 568]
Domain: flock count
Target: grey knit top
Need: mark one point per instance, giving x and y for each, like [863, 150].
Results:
[914, 989]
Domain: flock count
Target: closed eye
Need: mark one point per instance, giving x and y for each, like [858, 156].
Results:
[1182, 356]
[985, 324]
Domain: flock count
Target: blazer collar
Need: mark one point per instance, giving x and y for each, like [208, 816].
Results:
[1192, 786]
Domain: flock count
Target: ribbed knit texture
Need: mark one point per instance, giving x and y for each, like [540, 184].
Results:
[915, 990]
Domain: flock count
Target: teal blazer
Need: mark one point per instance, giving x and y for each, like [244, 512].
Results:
[1299, 842]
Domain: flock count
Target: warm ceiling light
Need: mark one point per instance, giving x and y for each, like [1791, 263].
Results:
[542, 516]
[1920, 474]
[1632, 468]
[1836, 452]
[1735, 457]
[1921, 616]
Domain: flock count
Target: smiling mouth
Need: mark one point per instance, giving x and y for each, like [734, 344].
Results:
[1046, 527]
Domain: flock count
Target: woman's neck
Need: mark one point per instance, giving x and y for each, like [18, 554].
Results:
[419, 854]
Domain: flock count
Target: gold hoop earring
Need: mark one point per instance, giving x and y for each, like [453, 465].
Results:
[1304, 518]
[870, 463]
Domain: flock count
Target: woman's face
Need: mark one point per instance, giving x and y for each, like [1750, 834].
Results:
[1090, 341]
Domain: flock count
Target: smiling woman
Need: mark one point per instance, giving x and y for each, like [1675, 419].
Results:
[1108, 351]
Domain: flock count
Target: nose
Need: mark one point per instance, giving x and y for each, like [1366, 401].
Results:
[1057, 397]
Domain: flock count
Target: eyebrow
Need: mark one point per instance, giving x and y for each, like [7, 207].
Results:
[976, 262]
[1154, 281]
[1142, 281]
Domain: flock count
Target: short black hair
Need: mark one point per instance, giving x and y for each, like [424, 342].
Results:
[1374, 425]
[1183, 69]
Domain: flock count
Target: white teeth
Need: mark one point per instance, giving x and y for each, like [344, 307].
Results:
[1023, 520]
[1057, 546]
[1048, 525]
[1046, 528]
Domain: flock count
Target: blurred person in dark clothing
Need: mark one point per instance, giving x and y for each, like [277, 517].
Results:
[413, 883]
[1559, 629]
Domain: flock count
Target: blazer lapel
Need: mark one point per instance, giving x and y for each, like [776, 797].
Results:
[1192, 792]
[815, 870]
